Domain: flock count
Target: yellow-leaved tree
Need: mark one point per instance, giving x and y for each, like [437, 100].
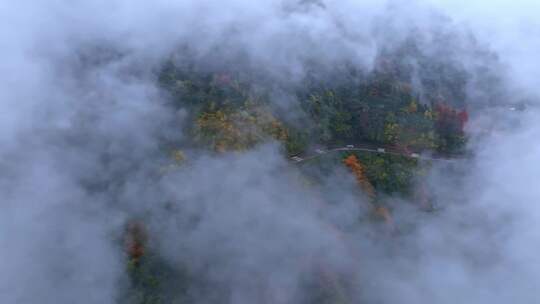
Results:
[239, 129]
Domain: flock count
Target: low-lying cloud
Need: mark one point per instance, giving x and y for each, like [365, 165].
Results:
[82, 121]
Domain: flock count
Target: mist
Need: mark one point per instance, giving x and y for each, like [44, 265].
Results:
[84, 125]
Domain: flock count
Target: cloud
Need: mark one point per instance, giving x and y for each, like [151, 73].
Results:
[83, 121]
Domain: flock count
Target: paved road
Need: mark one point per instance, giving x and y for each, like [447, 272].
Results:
[369, 148]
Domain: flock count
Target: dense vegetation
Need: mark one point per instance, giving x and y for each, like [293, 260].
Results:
[235, 110]
[229, 114]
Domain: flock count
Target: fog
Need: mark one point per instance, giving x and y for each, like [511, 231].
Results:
[83, 120]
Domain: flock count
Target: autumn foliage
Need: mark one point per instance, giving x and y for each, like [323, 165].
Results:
[360, 173]
[234, 130]
[135, 240]
[383, 213]
[450, 118]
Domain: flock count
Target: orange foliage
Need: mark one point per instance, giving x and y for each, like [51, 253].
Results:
[360, 173]
[384, 213]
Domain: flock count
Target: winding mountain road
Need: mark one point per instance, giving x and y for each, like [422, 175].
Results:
[370, 148]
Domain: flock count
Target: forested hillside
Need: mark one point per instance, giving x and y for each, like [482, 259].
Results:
[269, 152]
[408, 102]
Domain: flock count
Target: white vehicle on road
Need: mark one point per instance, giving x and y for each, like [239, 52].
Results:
[350, 146]
[296, 158]
[415, 155]
[381, 150]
